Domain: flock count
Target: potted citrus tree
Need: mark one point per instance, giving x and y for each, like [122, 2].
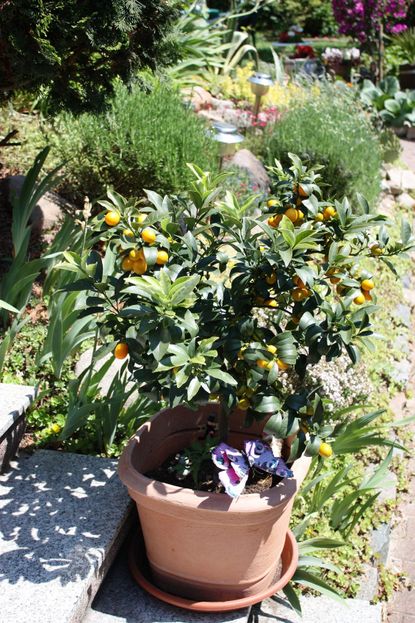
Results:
[214, 308]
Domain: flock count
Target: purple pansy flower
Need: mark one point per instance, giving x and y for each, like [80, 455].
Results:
[234, 464]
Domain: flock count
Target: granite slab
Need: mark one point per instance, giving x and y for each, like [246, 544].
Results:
[63, 517]
[14, 401]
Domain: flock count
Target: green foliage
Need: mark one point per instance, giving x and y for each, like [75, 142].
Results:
[188, 320]
[395, 108]
[332, 130]
[191, 459]
[315, 16]
[144, 140]
[75, 50]
[103, 417]
[22, 366]
[16, 284]
[204, 50]
[404, 43]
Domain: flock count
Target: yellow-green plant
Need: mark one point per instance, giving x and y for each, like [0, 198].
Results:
[283, 96]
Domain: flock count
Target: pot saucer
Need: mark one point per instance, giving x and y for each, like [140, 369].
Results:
[140, 570]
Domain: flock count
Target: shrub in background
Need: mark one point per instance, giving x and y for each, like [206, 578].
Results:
[363, 19]
[315, 16]
[76, 49]
[333, 130]
[144, 140]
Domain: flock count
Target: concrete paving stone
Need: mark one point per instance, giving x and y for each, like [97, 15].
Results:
[404, 602]
[315, 609]
[408, 510]
[394, 617]
[120, 597]
[400, 529]
[62, 519]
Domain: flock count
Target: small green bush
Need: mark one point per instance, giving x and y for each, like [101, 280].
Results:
[143, 140]
[331, 128]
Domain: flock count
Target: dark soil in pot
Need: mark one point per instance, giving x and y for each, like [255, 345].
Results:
[208, 478]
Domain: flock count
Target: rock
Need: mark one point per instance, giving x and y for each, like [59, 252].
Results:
[406, 201]
[63, 519]
[222, 104]
[394, 189]
[211, 115]
[389, 488]
[245, 159]
[199, 98]
[403, 313]
[48, 211]
[401, 344]
[410, 133]
[368, 583]
[379, 543]
[400, 372]
[402, 179]
[407, 281]
[387, 205]
[14, 402]
[409, 296]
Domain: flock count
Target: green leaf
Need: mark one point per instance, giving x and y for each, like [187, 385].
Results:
[312, 545]
[313, 561]
[314, 581]
[193, 388]
[292, 597]
[216, 373]
[7, 307]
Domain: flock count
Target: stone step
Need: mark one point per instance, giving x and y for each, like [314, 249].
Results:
[14, 402]
[319, 609]
[121, 600]
[63, 518]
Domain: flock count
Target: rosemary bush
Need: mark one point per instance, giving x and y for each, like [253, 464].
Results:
[332, 129]
[144, 140]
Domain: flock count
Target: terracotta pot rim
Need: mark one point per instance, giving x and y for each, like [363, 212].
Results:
[144, 489]
[289, 558]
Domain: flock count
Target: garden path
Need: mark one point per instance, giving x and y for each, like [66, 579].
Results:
[408, 153]
[401, 608]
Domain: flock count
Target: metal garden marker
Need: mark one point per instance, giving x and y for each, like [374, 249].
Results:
[227, 136]
[260, 84]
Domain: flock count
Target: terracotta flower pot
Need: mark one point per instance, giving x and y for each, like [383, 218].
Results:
[205, 546]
